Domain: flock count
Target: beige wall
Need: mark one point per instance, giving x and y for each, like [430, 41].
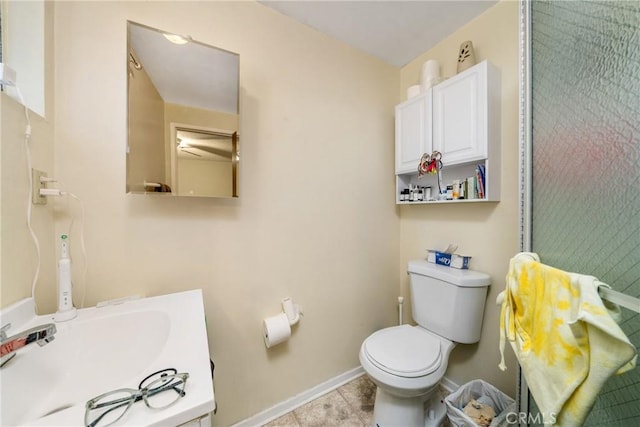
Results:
[487, 231]
[316, 218]
[18, 256]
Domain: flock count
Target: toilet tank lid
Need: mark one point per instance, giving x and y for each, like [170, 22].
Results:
[455, 276]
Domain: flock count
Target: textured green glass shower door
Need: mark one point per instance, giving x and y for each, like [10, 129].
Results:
[585, 77]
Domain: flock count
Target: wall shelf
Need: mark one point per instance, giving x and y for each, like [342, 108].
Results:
[447, 202]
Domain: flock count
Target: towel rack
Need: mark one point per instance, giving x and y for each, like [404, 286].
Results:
[624, 300]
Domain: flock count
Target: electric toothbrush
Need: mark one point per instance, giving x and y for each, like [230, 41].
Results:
[66, 310]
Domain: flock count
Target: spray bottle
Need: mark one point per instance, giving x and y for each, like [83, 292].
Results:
[66, 310]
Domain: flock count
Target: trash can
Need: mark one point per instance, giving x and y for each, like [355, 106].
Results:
[485, 405]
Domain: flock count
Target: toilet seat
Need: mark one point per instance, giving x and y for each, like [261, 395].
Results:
[404, 351]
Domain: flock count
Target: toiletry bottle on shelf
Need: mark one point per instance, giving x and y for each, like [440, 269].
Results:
[427, 193]
[414, 193]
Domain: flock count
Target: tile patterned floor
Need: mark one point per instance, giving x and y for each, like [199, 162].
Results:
[348, 406]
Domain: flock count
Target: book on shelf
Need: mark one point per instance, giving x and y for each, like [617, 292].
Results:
[472, 189]
[480, 174]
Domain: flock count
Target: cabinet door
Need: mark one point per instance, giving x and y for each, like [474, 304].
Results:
[413, 132]
[460, 116]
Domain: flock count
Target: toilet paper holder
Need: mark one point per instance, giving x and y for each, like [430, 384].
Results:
[293, 311]
[277, 329]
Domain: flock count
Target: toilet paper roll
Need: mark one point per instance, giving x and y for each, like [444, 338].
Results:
[276, 329]
[430, 73]
[430, 69]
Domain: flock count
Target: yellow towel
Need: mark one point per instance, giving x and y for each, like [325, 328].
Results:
[565, 339]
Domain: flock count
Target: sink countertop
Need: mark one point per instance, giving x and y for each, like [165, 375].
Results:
[168, 331]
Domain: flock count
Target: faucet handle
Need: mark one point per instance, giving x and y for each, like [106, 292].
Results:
[3, 331]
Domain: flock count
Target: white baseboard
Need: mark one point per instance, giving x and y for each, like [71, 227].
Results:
[306, 396]
[448, 385]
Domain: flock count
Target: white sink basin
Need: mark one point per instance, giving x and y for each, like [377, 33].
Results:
[104, 349]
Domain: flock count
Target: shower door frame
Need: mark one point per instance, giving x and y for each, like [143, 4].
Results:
[526, 172]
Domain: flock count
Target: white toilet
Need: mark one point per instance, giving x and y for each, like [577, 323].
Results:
[407, 362]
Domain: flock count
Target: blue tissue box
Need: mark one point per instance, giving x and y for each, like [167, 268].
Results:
[449, 260]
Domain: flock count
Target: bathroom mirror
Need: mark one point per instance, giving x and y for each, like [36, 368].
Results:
[182, 114]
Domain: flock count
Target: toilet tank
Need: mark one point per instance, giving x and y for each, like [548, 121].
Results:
[448, 301]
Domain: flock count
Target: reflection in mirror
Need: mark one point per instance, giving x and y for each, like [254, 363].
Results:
[183, 115]
[203, 162]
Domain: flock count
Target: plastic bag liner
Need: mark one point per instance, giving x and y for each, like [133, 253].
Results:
[484, 393]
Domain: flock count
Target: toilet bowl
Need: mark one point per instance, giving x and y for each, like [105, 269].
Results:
[407, 362]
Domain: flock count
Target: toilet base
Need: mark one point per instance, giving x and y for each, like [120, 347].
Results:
[435, 411]
[393, 411]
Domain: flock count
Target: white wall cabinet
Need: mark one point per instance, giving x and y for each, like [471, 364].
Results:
[413, 132]
[462, 120]
[460, 115]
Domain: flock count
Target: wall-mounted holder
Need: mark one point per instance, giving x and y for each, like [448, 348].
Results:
[293, 311]
[277, 329]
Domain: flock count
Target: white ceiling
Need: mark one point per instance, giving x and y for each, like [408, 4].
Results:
[395, 31]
